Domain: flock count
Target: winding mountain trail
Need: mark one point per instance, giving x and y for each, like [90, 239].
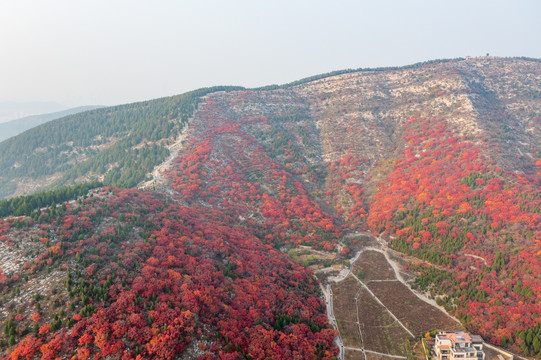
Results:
[158, 174]
[327, 291]
[477, 257]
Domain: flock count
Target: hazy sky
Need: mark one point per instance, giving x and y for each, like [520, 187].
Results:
[110, 52]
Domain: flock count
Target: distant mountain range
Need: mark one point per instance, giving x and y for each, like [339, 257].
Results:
[10, 110]
[17, 126]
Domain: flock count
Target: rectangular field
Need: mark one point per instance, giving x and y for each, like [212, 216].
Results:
[372, 265]
[349, 330]
[380, 331]
[417, 315]
[344, 311]
[354, 355]
[370, 356]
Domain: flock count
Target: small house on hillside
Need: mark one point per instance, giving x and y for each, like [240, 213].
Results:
[458, 346]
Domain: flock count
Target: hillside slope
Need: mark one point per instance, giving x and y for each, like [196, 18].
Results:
[17, 126]
[440, 161]
[118, 145]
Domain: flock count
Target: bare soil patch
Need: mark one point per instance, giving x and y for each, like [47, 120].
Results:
[313, 259]
[371, 356]
[372, 265]
[353, 355]
[417, 315]
[344, 311]
[381, 332]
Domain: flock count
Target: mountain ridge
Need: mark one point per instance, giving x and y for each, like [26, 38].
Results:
[50, 178]
[440, 162]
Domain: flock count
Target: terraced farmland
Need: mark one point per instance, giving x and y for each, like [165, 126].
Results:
[377, 313]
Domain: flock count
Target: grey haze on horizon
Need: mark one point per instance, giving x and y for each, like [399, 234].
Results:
[112, 52]
[14, 110]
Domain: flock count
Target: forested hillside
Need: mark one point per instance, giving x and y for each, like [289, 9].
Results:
[274, 192]
[118, 145]
[15, 127]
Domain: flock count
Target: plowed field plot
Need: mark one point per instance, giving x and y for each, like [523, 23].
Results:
[372, 265]
[344, 311]
[370, 356]
[381, 332]
[354, 355]
[417, 315]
